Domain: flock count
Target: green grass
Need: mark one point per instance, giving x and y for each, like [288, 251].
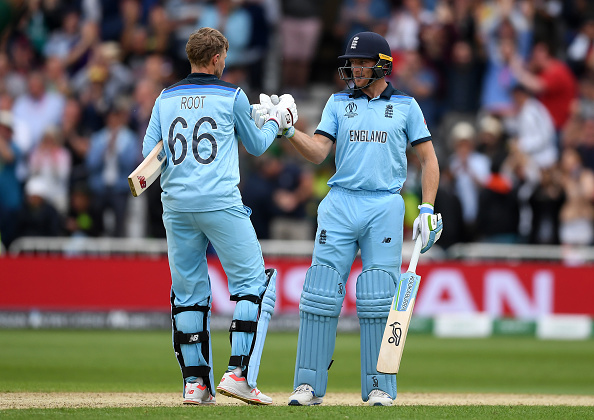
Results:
[143, 361]
[310, 413]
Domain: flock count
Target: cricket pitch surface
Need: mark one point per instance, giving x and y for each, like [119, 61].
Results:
[128, 399]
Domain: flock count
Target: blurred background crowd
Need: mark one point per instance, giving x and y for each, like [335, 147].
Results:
[506, 87]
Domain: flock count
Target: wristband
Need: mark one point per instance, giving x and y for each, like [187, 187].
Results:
[425, 208]
[289, 132]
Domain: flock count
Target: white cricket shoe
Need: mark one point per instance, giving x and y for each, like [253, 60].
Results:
[234, 386]
[304, 395]
[197, 394]
[377, 397]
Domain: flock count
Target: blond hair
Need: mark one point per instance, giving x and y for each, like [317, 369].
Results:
[204, 44]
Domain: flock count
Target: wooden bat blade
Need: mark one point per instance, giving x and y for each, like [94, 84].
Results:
[396, 329]
[149, 169]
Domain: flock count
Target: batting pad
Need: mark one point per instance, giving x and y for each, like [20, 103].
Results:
[266, 311]
[192, 322]
[375, 290]
[321, 301]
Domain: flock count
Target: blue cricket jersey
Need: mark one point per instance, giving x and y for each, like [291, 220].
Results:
[201, 119]
[371, 137]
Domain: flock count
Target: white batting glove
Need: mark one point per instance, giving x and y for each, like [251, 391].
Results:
[268, 101]
[428, 225]
[285, 112]
[260, 114]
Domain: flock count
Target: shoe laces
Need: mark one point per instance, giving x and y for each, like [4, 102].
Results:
[303, 389]
[379, 393]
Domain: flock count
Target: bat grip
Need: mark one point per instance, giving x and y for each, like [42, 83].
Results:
[414, 259]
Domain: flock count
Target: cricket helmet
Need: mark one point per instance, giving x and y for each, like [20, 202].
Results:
[367, 45]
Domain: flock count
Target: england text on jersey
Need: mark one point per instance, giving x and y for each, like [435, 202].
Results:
[368, 136]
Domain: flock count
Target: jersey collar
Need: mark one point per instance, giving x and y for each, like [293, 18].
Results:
[386, 94]
[202, 76]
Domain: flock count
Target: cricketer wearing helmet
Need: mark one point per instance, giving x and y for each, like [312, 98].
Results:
[371, 123]
[201, 120]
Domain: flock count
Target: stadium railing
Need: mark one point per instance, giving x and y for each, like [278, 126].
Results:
[72, 246]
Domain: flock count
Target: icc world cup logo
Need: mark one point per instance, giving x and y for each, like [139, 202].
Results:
[396, 334]
[350, 110]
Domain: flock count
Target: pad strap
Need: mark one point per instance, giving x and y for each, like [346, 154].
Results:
[200, 371]
[190, 338]
[239, 360]
[238, 325]
[251, 298]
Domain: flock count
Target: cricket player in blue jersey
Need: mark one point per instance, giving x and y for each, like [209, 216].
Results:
[201, 120]
[371, 124]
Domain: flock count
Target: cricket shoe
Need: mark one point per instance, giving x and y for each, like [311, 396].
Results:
[234, 386]
[377, 397]
[304, 395]
[197, 394]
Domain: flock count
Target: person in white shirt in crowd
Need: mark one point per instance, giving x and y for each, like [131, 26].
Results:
[470, 170]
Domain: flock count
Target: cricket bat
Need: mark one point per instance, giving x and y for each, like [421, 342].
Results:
[399, 317]
[148, 170]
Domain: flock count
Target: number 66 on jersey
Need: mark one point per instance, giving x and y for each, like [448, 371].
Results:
[148, 170]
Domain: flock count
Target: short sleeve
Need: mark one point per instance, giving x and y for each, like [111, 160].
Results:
[416, 126]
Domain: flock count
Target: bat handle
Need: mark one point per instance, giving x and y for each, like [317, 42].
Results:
[414, 259]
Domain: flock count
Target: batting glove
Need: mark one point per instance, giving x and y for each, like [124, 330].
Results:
[260, 114]
[428, 225]
[285, 112]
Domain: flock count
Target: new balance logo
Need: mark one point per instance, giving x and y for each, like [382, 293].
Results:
[322, 238]
[387, 240]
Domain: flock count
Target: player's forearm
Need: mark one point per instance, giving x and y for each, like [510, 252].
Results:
[429, 179]
[310, 148]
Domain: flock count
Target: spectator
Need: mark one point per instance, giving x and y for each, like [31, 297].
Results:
[233, 21]
[416, 79]
[546, 203]
[113, 154]
[50, 162]
[550, 80]
[404, 27]
[291, 192]
[47, 107]
[80, 220]
[106, 69]
[56, 77]
[11, 82]
[62, 41]
[498, 79]
[450, 208]
[581, 48]
[470, 171]
[534, 130]
[301, 28]
[491, 139]
[76, 141]
[21, 136]
[38, 217]
[463, 84]
[577, 213]
[498, 209]
[10, 187]
[525, 174]
[361, 16]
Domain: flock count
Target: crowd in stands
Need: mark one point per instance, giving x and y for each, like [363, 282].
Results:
[506, 87]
